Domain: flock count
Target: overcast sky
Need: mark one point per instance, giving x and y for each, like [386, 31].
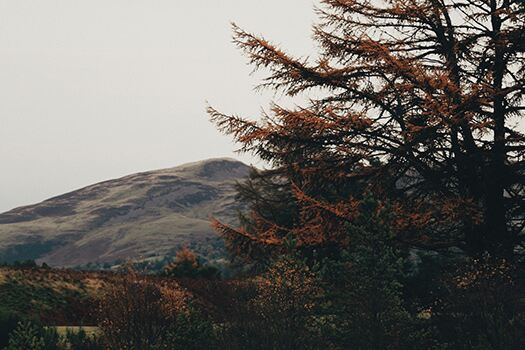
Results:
[97, 89]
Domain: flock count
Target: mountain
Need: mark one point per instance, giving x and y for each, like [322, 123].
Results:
[137, 216]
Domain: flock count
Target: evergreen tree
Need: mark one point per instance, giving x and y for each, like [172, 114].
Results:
[417, 102]
[29, 336]
[365, 288]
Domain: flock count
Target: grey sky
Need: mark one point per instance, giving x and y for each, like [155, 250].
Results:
[96, 89]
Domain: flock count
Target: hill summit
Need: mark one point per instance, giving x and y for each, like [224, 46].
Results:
[137, 216]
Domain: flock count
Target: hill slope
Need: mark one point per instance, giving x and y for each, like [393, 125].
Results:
[140, 215]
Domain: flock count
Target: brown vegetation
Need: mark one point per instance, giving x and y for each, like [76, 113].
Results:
[420, 106]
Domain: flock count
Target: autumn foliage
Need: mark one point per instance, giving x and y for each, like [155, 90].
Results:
[391, 215]
[416, 102]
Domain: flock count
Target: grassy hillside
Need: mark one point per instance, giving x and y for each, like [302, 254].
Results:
[60, 297]
[137, 216]
[55, 296]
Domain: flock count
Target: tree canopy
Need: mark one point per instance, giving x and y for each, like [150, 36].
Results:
[417, 102]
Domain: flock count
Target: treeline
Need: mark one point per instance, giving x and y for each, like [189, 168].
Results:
[213, 256]
[373, 295]
[29, 263]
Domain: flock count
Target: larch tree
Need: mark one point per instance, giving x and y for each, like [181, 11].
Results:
[419, 103]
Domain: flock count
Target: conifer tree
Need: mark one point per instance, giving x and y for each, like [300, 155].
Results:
[418, 102]
[365, 290]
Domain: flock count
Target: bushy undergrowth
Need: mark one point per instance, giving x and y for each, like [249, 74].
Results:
[372, 295]
[140, 313]
[51, 296]
[357, 301]
[29, 335]
[8, 322]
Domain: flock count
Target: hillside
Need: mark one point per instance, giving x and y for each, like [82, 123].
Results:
[60, 296]
[137, 216]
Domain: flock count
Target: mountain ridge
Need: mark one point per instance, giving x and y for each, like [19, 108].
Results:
[143, 214]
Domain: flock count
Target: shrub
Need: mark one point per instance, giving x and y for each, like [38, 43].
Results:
[30, 336]
[188, 265]
[276, 311]
[132, 314]
[143, 313]
[365, 300]
[481, 306]
[80, 340]
[190, 331]
[8, 322]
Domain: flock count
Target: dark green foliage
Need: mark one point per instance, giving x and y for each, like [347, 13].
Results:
[26, 251]
[25, 336]
[25, 264]
[80, 340]
[481, 306]
[422, 282]
[365, 301]
[269, 195]
[30, 336]
[190, 331]
[50, 337]
[33, 336]
[8, 322]
[189, 271]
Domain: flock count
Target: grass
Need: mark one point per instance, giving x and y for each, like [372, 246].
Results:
[90, 330]
[55, 296]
